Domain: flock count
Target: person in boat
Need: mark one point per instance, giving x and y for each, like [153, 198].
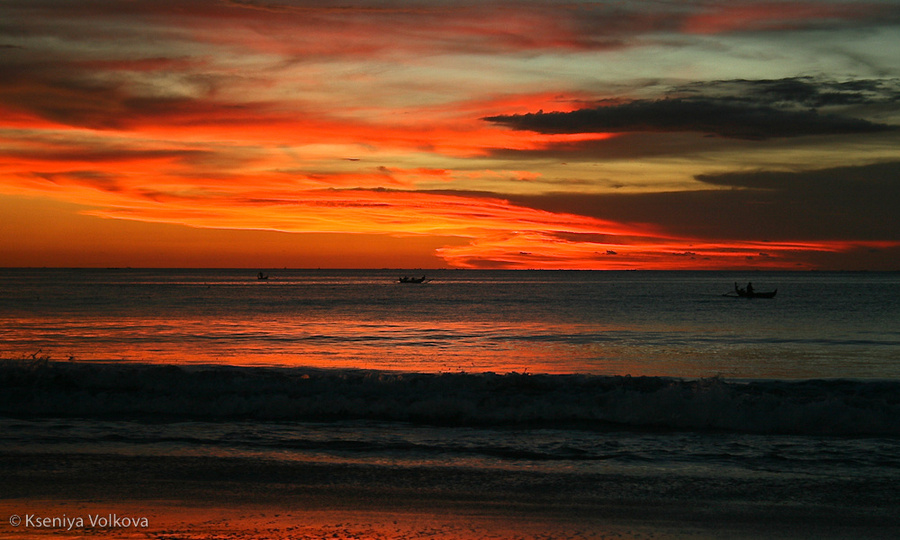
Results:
[748, 290]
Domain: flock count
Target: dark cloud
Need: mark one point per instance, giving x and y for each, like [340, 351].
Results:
[837, 179]
[843, 203]
[714, 117]
[738, 109]
[57, 88]
[794, 92]
[66, 91]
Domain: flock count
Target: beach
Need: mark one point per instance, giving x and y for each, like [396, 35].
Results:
[200, 497]
[169, 404]
[226, 452]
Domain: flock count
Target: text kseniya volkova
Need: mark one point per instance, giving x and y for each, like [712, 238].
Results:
[93, 521]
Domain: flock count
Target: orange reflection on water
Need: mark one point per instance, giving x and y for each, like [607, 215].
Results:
[305, 339]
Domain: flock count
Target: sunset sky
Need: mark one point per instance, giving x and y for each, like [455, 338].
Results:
[537, 134]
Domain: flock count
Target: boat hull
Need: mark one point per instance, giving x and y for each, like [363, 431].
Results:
[745, 294]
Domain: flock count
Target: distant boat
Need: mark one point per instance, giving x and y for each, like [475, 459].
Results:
[410, 279]
[748, 292]
[262, 276]
[754, 294]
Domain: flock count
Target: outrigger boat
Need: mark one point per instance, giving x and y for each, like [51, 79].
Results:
[410, 279]
[748, 292]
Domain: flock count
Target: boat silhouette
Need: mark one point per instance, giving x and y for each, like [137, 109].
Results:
[748, 292]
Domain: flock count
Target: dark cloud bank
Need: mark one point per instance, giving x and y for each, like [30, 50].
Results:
[843, 203]
[738, 109]
[852, 204]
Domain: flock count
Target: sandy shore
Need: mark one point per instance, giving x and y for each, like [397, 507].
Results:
[171, 520]
[190, 520]
[229, 498]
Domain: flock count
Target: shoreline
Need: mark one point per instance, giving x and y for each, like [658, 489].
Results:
[174, 519]
[320, 519]
[242, 498]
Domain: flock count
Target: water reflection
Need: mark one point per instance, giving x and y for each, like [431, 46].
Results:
[621, 323]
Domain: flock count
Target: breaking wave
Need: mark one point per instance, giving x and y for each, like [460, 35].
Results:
[221, 393]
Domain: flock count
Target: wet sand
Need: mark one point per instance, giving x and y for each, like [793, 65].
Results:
[172, 520]
[230, 498]
[195, 520]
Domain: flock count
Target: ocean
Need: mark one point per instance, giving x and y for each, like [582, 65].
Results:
[604, 397]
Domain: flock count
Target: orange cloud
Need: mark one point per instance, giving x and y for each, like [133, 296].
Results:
[347, 210]
[534, 249]
[497, 233]
[176, 183]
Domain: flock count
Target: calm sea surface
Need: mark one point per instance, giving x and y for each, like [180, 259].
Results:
[820, 325]
[594, 387]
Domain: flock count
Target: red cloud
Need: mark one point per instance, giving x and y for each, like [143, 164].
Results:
[766, 16]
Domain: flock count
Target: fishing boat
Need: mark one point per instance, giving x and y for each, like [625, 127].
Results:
[411, 279]
[262, 276]
[754, 294]
[748, 292]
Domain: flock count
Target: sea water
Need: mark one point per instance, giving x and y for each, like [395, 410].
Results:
[576, 384]
[678, 324]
